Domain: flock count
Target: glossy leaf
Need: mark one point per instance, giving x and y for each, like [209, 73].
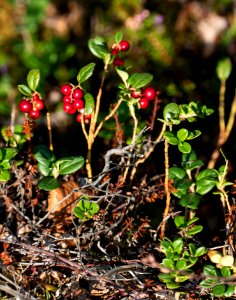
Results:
[180, 221]
[138, 80]
[195, 229]
[25, 90]
[33, 79]
[193, 134]
[45, 168]
[166, 277]
[173, 285]
[200, 251]
[204, 186]
[85, 72]
[171, 111]
[182, 134]
[69, 165]
[7, 153]
[224, 68]
[49, 183]
[178, 245]
[118, 37]
[177, 173]
[98, 47]
[89, 104]
[44, 155]
[181, 265]
[4, 175]
[123, 75]
[171, 138]
[225, 272]
[208, 283]
[230, 290]
[218, 290]
[190, 200]
[210, 270]
[184, 147]
[168, 263]
[86, 209]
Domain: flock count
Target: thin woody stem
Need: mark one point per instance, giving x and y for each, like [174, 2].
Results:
[48, 117]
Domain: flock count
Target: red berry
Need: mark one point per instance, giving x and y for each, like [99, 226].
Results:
[149, 92]
[67, 107]
[77, 93]
[118, 62]
[36, 97]
[143, 103]
[72, 111]
[124, 45]
[88, 117]
[79, 118]
[66, 89]
[115, 50]
[136, 94]
[38, 104]
[34, 114]
[25, 106]
[66, 99]
[78, 104]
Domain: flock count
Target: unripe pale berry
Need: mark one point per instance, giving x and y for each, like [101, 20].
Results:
[124, 45]
[25, 106]
[149, 93]
[66, 89]
[34, 114]
[77, 93]
[143, 103]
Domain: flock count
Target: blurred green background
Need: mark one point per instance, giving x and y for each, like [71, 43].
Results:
[179, 42]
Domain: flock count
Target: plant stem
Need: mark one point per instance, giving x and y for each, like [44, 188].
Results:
[48, 117]
[166, 211]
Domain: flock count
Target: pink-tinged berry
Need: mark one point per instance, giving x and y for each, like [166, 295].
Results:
[115, 50]
[66, 89]
[34, 114]
[38, 104]
[118, 62]
[78, 104]
[149, 93]
[79, 118]
[66, 99]
[136, 94]
[143, 103]
[124, 45]
[25, 106]
[77, 93]
[67, 107]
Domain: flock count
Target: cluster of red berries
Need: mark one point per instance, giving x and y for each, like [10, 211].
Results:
[73, 101]
[122, 46]
[144, 96]
[33, 106]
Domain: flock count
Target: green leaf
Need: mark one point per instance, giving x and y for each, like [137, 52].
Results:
[195, 229]
[33, 79]
[204, 186]
[190, 200]
[182, 134]
[138, 80]
[118, 37]
[25, 90]
[181, 265]
[192, 248]
[191, 221]
[218, 290]
[44, 169]
[193, 134]
[200, 251]
[49, 183]
[177, 173]
[171, 111]
[171, 138]
[173, 285]
[89, 104]
[210, 270]
[224, 68]
[86, 209]
[68, 165]
[4, 175]
[85, 72]
[7, 153]
[207, 173]
[230, 290]
[178, 245]
[208, 283]
[182, 278]
[190, 162]
[98, 47]
[168, 263]
[166, 277]
[44, 155]
[123, 75]
[225, 271]
[184, 147]
[180, 221]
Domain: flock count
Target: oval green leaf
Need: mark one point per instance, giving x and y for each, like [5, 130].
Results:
[138, 80]
[171, 111]
[4, 175]
[98, 47]
[224, 68]
[25, 90]
[85, 72]
[70, 165]
[184, 147]
[89, 104]
[33, 79]
[118, 37]
[49, 183]
[182, 134]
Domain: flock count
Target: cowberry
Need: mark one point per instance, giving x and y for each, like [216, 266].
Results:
[136, 94]
[118, 62]
[79, 118]
[66, 99]
[115, 50]
[77, 93]
[67, 107]
[25, 106]
[38, 104]
[143, 103]
[34, 114]
[88, 117]
[78, 104]
[124, 45]
[66, 89]
[36, 97]
[72, 111]
[149, 93]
